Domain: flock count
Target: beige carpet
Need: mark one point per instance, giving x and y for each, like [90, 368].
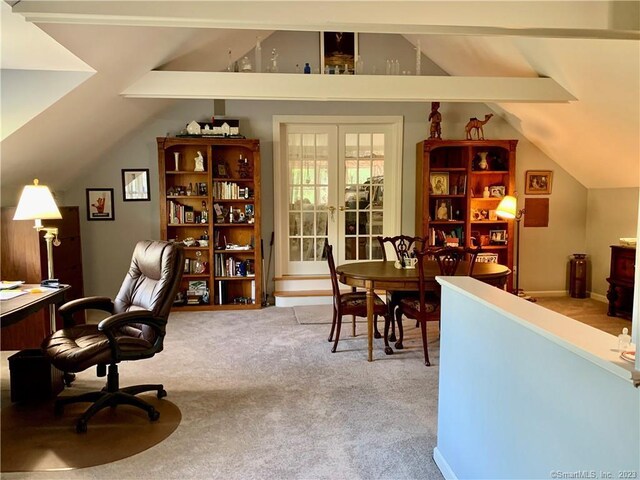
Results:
[34, 439]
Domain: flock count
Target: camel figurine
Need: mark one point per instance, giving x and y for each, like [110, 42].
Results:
[475, 124]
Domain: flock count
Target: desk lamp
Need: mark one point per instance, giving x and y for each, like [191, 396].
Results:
[508, 209]
[37, 203]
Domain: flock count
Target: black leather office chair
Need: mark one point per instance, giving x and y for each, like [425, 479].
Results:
[135, 329]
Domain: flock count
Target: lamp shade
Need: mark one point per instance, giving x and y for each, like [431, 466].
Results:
[36, 203]
[508, 207]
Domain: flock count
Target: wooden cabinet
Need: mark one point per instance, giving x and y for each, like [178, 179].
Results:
[219, 209]
[621, 281]
[459, 184]
[24, 257]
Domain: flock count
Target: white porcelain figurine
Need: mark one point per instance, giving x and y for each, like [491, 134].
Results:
[199, 163]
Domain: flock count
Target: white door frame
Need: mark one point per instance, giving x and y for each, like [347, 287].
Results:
[394, 178]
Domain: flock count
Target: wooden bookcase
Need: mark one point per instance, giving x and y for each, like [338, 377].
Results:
[220, 205]
[469, 215]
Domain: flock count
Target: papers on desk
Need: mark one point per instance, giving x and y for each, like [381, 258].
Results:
[9, 294]
[9, 284]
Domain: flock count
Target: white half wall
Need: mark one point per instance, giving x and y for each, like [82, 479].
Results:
[528, 393]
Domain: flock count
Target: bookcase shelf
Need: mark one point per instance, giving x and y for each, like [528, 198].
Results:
[182, 216]
[456, 165]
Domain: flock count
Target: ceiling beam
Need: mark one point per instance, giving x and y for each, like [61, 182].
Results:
[370, 88]
[533, 19]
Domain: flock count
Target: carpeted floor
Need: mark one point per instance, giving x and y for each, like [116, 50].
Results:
[262, 397]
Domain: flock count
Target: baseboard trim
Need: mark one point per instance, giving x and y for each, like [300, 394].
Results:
[443, 465]
[598, 297]
[299, 301]
[547, 293]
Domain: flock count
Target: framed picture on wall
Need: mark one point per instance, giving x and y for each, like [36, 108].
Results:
[338, 52]
[100, 204]
[135, 185]
[538, 182]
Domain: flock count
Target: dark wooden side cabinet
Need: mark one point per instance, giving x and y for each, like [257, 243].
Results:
[621, 281]
[24, 257]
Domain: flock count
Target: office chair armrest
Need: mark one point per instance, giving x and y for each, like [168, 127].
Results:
[98, 303]
[110, 325]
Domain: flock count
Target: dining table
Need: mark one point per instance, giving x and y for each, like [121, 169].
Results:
[383, 275]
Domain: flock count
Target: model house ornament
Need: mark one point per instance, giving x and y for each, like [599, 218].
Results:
[193, 128]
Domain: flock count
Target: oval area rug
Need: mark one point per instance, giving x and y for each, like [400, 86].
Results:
[34, 439]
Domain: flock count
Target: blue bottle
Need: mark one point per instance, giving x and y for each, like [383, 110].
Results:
[307, 68]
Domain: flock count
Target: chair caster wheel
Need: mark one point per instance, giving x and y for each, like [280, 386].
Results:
[81, 426]
[392, 338]
[399, 345]
[154, 415]
[388, 350]
[377, 335]
[330, 339]
[427, 364]
[162, 393]
[333, 350]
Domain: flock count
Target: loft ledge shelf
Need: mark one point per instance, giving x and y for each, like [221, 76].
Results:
[370, 88]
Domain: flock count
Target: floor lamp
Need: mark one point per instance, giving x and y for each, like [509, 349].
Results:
[508, 209]
[37, 203]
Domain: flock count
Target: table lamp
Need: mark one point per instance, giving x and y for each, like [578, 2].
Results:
[508, 209]
[37, 203]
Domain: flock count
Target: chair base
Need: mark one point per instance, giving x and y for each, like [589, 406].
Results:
[111, 396]
[103, 399]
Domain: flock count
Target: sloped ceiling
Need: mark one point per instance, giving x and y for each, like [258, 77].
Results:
[592, 49]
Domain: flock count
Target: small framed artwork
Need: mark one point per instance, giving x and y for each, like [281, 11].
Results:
[439, 182]
[135, 185]
[443, 210]
[538, 182]
[338, 52]
[493, 215]
[100, 204]
[189, 217]
[497, 237]
[497, 191]
[222, 170]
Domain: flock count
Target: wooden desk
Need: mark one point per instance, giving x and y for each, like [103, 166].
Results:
[385, 276]
[14, 310]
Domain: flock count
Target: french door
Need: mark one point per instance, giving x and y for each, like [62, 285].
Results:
[338, 183]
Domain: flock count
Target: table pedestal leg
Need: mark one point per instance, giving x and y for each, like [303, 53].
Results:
[370, 295]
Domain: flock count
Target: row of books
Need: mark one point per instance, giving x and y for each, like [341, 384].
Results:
[230, 191]
[450, 238]
[228, 266]
[179, 213]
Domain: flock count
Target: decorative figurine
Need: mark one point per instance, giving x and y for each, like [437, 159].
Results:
[199, 163]
[475, 124]
[193, 128]
[435, 117]
[244, 169]
[483, 164]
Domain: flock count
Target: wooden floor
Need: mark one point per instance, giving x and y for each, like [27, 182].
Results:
[588, 311]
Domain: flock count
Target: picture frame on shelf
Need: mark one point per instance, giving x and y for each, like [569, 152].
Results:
[538, 182]
[497, 191]
[337, 50]
[497, 237]
[439, 182]
[100, 204]
[222, 171]
[135, 185]
[442, 210]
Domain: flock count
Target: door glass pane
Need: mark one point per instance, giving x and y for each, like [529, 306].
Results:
[322, 223]
[320, 242]
[308, 250]
[364, 195]
[308, 164]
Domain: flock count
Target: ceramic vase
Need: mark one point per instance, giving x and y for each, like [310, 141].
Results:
[176, 158]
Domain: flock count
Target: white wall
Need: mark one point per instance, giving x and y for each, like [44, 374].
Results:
[612, 214]
[528, 393]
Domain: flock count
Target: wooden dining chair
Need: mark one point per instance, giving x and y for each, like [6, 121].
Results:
[425, 306]
[353, 303]
[403, 246]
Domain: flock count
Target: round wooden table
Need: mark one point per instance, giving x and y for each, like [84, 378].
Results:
[380, 275]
